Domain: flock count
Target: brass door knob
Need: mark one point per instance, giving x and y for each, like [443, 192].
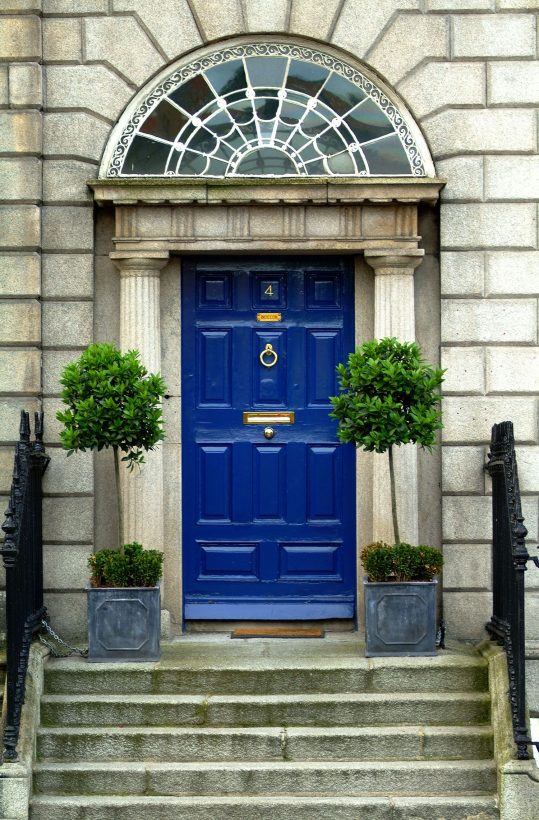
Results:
[268, 432]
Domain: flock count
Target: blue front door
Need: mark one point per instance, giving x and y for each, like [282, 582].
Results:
[269, 493]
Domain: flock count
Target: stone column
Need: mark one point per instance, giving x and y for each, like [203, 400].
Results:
[140, 329]
[394, 315]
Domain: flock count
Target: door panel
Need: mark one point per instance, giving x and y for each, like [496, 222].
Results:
[268, 525]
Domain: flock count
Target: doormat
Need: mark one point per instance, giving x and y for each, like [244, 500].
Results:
[278, 632]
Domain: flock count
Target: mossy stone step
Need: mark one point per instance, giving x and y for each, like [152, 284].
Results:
[263, 808]
[293, 744]
[268, 710]
[381, 778]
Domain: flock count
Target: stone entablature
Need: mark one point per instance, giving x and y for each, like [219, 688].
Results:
[320, 216]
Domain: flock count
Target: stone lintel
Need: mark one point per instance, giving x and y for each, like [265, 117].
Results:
[405, 190]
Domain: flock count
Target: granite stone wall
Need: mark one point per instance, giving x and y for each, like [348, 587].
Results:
[468, 71]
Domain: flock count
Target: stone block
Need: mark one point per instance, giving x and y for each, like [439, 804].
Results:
[10, 416]
[116, 40]
[4, 85]
[532, 622]
[72, 7]
[65, 566]
[512, 273]
[480, 130]
[489, 320]
[20, 132]
[20, 274]
[62, 41]
[467, 566]
[463, 470]
[528, 469]
[20, 321]
[465, 370]
[67, 324]
[313, 18]
[68, 275]
[173, 26]
[466, 614]
[65, 180]
[25, 87]
[467, 518]
[459, 5]
[6, 471]
[20, 179]
[469, 420]
[60, 128]
[52, 426]
[67, 615]
[424, 37]
[20, 38]
[357, 31]
[15, 794]
[68, 519]
[490, 35]
[68, 474]
[67, 228]
[93, 87]
[464, 178]
[489, 225]
[513, 82]
[20, 372]
[462, 273]
[512, 177]
[20, 227]
[54, 362]
[268, 16]
[512, 369]
[436, 85]
[18, 6]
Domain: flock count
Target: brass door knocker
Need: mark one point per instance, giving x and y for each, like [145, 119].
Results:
[268, 351]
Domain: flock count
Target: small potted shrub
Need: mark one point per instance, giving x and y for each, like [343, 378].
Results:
[113, 402]
[389, 397]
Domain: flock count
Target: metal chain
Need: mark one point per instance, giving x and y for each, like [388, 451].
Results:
[73, 650]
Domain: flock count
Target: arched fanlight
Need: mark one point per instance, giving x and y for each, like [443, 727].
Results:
[266, 110]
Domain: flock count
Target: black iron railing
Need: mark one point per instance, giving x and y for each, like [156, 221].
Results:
[23, 561]
[509, 563]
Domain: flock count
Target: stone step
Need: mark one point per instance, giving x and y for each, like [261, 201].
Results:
[371, 709]
[208, 669]
[263, 808]
[292, 744]
[377, 778]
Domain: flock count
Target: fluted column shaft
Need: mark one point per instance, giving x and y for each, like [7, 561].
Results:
[394, 315]
[140, 329]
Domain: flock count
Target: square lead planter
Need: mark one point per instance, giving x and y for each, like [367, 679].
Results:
[400, 618]
[124, 624]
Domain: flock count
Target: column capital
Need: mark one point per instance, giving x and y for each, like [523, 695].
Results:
[394, 261]
[140, 263]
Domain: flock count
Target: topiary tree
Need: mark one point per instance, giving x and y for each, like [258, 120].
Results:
[388, 397]
[112, 401]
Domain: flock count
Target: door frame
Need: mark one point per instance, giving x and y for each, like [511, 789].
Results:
[241, 604]
[369, 218]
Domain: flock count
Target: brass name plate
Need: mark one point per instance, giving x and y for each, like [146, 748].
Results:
[268, 317]
[286, 417]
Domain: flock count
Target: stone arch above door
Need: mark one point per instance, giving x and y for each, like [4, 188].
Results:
[268, 107]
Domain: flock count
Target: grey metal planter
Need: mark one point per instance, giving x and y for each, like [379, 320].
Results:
[400, 618]
[124, 623]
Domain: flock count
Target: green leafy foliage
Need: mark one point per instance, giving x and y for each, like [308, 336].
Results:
[401, 562]
[111, 401]
[388, 397]
[134, 567]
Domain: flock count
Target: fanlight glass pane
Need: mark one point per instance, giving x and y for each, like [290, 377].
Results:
[266, 109]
